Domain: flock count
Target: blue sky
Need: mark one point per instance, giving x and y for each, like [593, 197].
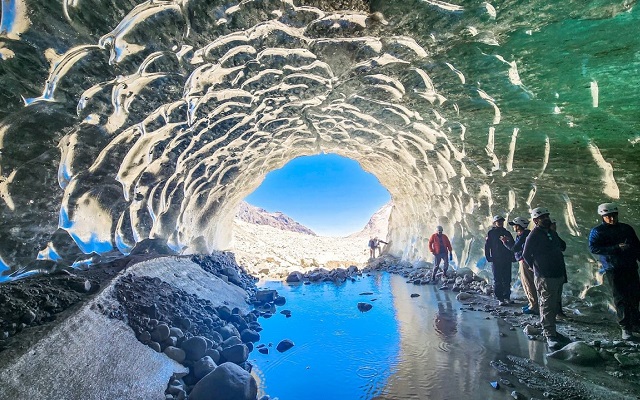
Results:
[327, 193]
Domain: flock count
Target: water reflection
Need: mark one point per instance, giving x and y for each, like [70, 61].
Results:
[426, 347]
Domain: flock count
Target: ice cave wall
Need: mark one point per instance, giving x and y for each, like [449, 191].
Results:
[123, 121]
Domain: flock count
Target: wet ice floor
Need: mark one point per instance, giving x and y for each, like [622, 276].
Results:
[426, 347]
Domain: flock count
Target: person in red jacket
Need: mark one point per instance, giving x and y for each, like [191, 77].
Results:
[440, 247]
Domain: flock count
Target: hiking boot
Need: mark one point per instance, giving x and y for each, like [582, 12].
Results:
[627, 334]
[562, 338]
[531, 311]
[503, 302]
[553, 343]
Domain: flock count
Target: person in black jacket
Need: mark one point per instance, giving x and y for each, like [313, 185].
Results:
[500, 258]
[526, 272]
[618, 248]
[543, 251]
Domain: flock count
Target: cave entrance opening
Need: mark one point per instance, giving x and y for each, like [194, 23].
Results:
[315, 211]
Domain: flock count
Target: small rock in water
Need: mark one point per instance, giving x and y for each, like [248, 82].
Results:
[364, 307]
[415, 295]
[517, 395]
[265, 296]
[366, 293]
[506, 382]
[284, 345]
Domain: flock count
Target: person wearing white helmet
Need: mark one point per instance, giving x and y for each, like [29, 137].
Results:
[440, 247]
[520, 225]
[543, 251]
[618, 248]
[500, 258]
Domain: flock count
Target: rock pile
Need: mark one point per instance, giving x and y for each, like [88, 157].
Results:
[40, 300]
[338, 275]
[212, 342]
[462, 280]
[224, 266]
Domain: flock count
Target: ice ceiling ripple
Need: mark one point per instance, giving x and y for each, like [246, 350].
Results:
[155, 120]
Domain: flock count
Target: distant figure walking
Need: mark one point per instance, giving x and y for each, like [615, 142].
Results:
[500, 258]
[619, 249]
[374, 243]
[440, 247]
[526, 272]
[543, 251]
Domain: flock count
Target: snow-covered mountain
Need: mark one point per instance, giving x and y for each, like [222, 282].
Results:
[268, 247]
[258, 216]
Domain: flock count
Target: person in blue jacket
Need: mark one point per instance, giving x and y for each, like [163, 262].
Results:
[520, 225]
[618, 248]
[500, 258]
[543, 251]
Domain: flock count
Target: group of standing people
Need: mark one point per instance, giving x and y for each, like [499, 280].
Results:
[542, 268]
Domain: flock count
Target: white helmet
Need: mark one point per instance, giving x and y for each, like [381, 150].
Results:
[520, 222]
[607, 208]
[439, 228]
[497, 218]
[538, 212]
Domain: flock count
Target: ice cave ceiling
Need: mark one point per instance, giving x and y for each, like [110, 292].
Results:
[121, 121]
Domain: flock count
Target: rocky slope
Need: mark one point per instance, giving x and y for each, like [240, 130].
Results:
[268, 250]
[258, 216]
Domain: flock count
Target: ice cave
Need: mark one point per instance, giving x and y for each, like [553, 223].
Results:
[129, 120]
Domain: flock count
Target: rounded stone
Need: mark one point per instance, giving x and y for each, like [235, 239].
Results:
[194, 347]
[229, 382]
[161, 333]
[214, 354]
[203, 366]
[237, 353]
[284, 345]
[249, 335]
[155, 346]
[145, 337]
[175, 354]
[176, 332]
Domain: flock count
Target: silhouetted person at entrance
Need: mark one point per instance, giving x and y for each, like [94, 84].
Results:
[500, 258]
[526, 272]
[440, 247]
[618, 248]
[374, 243]
[543, 251]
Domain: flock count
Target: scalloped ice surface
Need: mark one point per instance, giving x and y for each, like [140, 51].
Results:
[121, 122]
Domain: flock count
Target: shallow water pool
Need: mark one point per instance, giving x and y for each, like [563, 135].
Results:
[426, 347]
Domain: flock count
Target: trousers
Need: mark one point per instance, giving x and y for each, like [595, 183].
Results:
[625, 287]
[528, 284]
[549, 295]
[501, 279]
